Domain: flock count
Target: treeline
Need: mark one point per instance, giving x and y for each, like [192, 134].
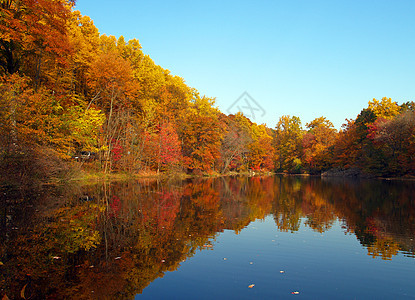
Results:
[67, 90]
[379, 142]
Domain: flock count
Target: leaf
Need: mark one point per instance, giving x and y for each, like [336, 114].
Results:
[22, 291]
[251, 286]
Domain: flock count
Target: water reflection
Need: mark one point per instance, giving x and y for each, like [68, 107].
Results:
[111, 240]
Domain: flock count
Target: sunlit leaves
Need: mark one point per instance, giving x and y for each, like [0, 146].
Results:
[32, 29]
[287, 143]
[85, 125]
[261, 152]
[316, 142]
[384, 108]
[201, 135]
[33, 116]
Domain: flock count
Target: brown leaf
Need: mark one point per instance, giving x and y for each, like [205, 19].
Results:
[22, 291]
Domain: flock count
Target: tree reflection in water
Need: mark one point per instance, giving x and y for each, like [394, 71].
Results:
[111, 240]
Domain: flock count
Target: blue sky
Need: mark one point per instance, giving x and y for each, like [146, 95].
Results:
[304, 58]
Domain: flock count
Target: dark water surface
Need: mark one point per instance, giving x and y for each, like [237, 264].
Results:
[225, 238]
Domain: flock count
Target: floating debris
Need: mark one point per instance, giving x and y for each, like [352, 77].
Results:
[251, 263]
[163, 260]
[295, 293]
[118, 257]
[207, 246]
[23, 291]
[56, 257]
[224, 258]
[282, 272]
[251, 286]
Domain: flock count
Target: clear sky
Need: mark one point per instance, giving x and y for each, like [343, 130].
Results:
[306, 58]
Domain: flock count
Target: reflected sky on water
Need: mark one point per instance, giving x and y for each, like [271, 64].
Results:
[232, 237]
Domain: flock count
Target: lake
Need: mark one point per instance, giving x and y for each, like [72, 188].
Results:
[269, 237]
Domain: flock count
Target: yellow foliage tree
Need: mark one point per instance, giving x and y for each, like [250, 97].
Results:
[384, 108]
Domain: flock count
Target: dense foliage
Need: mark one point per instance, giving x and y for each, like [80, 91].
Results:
[67, 90]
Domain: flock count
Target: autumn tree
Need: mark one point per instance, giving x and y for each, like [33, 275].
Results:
[394, 140]
[316, 143]
[84, 39]
[201, 135]
[235, 143]
[287, 143]
[385, 108]
[345, 149]
[163, 148]
[34, 39]
[261, 152]
[112, 83]
[352, 149]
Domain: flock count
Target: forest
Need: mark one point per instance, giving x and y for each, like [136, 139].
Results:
[72, 99]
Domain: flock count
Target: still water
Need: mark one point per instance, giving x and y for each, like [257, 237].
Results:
[225, 238]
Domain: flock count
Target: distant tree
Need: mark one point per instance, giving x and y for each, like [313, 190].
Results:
[235, 143]
[394, 141]
[317, 141]
[287, 143]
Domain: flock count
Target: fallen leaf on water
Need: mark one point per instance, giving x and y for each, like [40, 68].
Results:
[295, 293]
[22, 291]
[251, 286]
